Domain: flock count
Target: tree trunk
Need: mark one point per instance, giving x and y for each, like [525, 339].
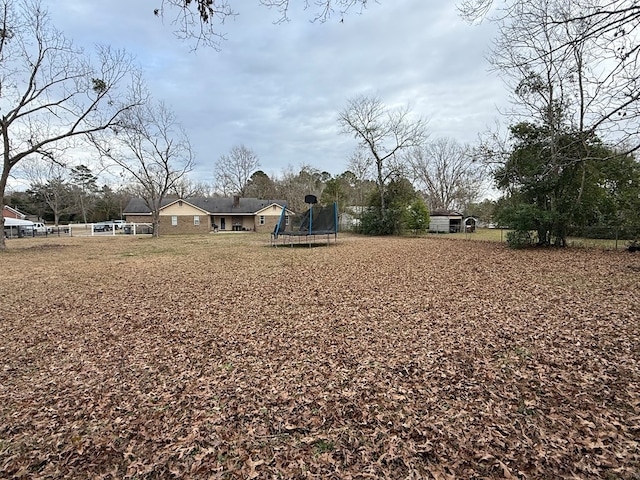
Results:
[380, 184]
[156, 224]
[3, 185]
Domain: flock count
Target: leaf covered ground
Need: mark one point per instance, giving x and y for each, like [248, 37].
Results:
[221, 357]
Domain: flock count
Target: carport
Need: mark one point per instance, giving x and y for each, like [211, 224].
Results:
[14, 227]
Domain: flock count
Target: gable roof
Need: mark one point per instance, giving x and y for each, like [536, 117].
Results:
[211, 205]
[445, 213]
[181, 200]
[13, 211]
[288, 212]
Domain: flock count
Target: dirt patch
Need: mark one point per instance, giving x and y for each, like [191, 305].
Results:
[380, 358]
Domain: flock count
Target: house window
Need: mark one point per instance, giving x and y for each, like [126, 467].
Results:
[261, 219]
[196, 220]
[286, 219]
[174, 220]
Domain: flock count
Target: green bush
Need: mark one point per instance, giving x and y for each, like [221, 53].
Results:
[418, 216]
[375, 222]
[519, 239]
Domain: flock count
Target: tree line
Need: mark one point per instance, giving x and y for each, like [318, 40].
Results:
[75, 194]
[568, 159]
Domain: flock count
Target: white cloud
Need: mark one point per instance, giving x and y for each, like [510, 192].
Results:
[278, 88]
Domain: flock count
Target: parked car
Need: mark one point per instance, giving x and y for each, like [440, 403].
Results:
[38, 228]
[102, 227]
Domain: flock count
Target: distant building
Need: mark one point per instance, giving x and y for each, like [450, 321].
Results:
[445, 221]
[206, 214]
[8, 212]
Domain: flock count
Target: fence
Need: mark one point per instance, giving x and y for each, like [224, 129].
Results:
[615, 237]
[28, 232]
[80, 230]
[609, 236]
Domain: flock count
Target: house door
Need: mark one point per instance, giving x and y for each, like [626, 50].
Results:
[221, 223]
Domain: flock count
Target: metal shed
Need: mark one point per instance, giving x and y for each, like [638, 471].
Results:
[15, 227]
[445, 221]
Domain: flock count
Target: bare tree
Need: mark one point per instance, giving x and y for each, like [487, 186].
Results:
[200, 20]
[153, 149]
[383, 133]
[233, 171]
[448, 174]
[294, 186]
[51, 92]
[360, 166]
[186, 188]
[580, 57]
[49, 183]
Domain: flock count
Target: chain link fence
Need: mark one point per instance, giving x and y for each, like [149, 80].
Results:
[614, 236]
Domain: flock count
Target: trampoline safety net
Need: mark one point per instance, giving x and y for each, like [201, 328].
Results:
[316, 220]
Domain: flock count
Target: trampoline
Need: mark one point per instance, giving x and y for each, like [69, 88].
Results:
[314, 224]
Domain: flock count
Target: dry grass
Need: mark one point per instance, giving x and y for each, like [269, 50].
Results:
[220, 357]
[500, 235]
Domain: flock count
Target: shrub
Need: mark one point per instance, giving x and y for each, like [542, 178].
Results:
[418, 216]
[519, 239]
[389, 222]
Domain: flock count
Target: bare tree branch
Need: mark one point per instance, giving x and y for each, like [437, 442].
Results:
[233, 171]
[383, 133]
[448, 174]
[153, 149]
[201, 20]
[579, 58]
[50, 91]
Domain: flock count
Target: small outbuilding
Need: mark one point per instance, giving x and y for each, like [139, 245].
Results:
[445, 221]
[470, 224]
[16, 227]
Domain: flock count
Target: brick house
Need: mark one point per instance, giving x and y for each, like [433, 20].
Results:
[8, 212]
[204, 214]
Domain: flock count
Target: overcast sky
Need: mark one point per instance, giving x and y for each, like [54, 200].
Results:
[278, 89]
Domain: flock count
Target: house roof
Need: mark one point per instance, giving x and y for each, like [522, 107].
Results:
[211, 205]
[445, 213]
[16, 222]
[13, 211]
[181, 200]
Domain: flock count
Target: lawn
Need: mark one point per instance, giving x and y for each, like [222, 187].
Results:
[221, 357]
[500, 235]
